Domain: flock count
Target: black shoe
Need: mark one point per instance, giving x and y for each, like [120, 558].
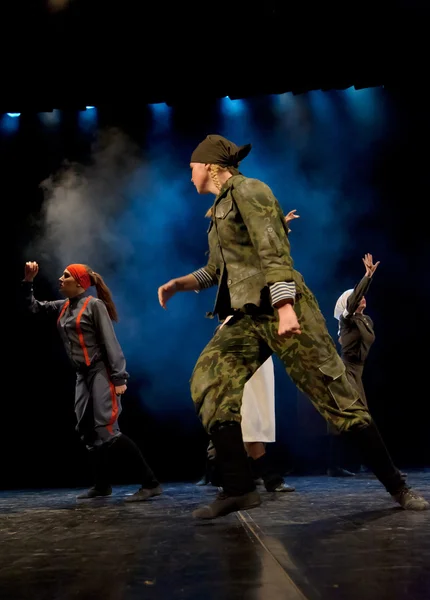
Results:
[144, 494]
[281, 487]
[339, 472]
[224, 505]
[265, 473]
[410, 500]
[211, 478]
[212, 475]
[204, 480]
[95, 493]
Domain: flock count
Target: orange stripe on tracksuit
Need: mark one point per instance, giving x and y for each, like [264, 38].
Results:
[80, 334]
[63, 310]
[114, 414]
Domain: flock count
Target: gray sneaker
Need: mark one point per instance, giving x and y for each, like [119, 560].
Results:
[144, 494]
[224, 505]
[410, 500]
[95, 493]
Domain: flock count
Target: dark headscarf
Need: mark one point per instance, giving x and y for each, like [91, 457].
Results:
[217, 150]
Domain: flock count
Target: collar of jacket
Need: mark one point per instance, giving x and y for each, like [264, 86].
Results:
[229, 184]
[75, 300]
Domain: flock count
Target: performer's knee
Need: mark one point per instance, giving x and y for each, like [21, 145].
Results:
[220, 416]
[105, 435]
[361, 421]
[344, 395]
[344, 421]
[88, 438]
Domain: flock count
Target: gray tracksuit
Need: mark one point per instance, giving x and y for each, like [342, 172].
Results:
[93, 348]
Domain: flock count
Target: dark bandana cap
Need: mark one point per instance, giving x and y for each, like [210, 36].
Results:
[217, 150]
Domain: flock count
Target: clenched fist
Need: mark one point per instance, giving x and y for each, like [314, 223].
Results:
[31, 270]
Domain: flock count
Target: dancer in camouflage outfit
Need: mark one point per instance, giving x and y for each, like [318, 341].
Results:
[273, 312]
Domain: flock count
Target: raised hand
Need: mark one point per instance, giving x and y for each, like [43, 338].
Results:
[369, 265]
[291, 215]
[31, 270]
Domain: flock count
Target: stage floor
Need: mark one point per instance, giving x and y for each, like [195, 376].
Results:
[331, 539]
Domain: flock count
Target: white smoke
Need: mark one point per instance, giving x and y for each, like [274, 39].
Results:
[82, 203]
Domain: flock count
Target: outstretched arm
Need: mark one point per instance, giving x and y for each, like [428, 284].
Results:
[29, 301]
[205, 277]
[362, 287]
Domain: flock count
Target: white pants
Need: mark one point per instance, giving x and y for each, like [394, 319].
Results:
[258, 405]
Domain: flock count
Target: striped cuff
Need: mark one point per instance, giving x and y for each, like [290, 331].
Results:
[282, 290]
[204, 279]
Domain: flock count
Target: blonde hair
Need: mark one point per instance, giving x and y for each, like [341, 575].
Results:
[213, 172]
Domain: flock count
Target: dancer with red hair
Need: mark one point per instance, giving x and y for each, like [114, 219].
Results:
[85, 327]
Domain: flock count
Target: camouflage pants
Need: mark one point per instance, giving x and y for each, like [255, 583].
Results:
[239, 348]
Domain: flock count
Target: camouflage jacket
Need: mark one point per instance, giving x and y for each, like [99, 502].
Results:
[249, 250]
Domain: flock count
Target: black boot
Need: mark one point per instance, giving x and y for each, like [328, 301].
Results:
[239, 491]
[99, 462]
[376, 457]
[149, 484]
[273, 481]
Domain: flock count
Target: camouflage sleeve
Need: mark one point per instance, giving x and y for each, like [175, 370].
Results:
[207, 276]
[261, 214]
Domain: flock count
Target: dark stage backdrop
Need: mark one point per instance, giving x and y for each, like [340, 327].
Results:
[111, 188]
